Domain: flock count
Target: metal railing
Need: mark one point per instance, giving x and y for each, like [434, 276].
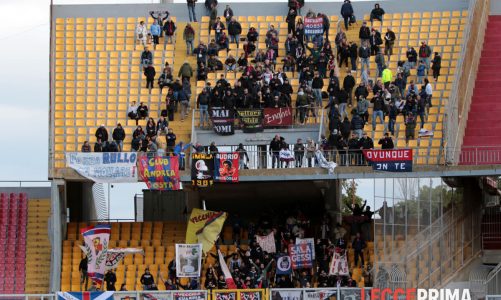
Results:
[493, 281]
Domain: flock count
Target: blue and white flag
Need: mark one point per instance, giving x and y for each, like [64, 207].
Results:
[85, 295]
[284, 265]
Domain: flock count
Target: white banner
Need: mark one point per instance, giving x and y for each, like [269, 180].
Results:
[104, 167]
[188, 260]
[96, 241]
[339, 265]
[115, 255]
[267, 242]
[290, 295]
[318, 295]
[310, 241]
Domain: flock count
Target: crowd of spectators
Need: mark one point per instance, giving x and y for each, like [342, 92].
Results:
[263, 83]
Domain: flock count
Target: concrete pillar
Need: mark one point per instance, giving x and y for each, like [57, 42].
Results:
[332, 201]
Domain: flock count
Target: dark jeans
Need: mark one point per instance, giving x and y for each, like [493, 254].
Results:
[149, 83]
[357, 254]
[275, 159]
[298, 159]
[346, 22]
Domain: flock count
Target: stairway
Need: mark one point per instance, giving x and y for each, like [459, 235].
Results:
[482, 139]
[182, 129]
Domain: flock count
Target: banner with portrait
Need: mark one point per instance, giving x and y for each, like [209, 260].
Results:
[202, 169]
[226, 167]
[267, 242]
[160, 172]
[188, 260]
[251, 120]
[284, 265]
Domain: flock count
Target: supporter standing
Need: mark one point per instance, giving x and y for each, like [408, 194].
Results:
[275, 147]
[189, 36]
[155, 31]
[191, 10]
[147, 280]
[185, 71]
[437, 65]
[169, 29]
[389, 42]
[299, 153]
[347, 13]
[110, 278]
[82, 268]
[359, 245]
[150, 73]
[234, 30]
[86, 147]
[141, 33]
[425, 54]
[203, 105]
[119, 136]
[386, 142]
[228, 14]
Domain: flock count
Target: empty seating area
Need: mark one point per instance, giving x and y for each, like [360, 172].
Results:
[157, 239]
[13, 215]
[38, 247]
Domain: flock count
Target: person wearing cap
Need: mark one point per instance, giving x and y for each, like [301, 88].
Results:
[347, 13]
[119, 136]
[377, 14]
[425, 54]
[386, 142]
[411, 55]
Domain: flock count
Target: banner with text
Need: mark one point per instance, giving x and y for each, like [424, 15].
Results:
[310, 241]
[104, 167]
[313, 26]
[189, 296]
[251, 120]
[202, 169]
[226, 167]
[301, 256]
[267, 242]
[223, 121]
[115, 255]
[277, 117]
[390, 160]
[339, 265]
[188, 260]
[244, 294]
[160, 172]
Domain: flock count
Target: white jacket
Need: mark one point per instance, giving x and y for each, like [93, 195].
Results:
[141, 29]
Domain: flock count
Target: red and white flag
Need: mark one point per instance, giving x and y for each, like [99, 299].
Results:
[96, 240]
[227, 275]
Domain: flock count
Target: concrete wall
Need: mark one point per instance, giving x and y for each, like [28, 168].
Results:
[251, 9]
[495, 7]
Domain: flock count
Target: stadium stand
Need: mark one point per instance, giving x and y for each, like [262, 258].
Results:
[13, 217]
[97, 74]
[481, 129]
[38, 246]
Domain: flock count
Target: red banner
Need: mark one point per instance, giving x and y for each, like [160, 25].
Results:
[277, 117]
[160, 172]
[226, 167]
[388, 155]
